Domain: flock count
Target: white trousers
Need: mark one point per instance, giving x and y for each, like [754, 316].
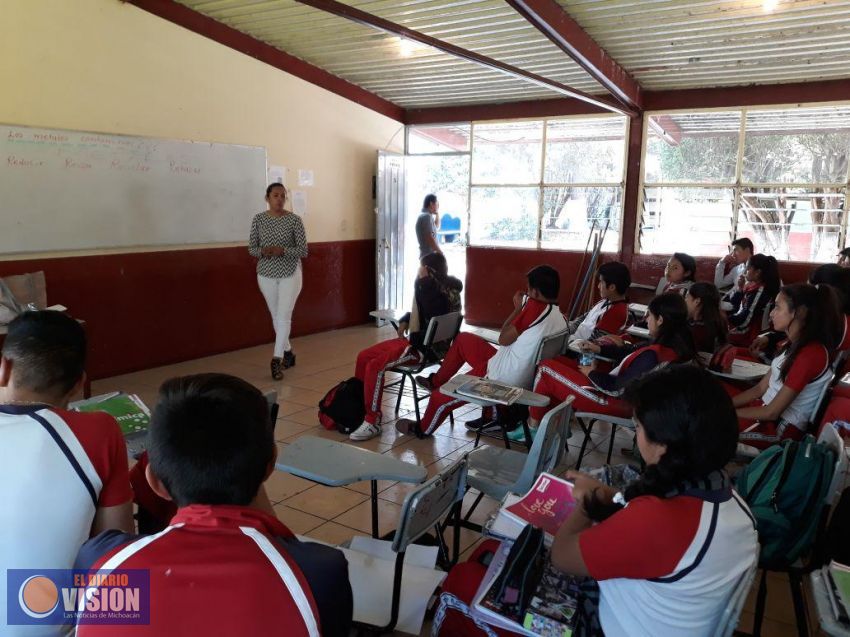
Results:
[280, 295]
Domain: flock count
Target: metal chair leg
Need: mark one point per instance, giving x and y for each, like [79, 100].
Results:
[796, 583]
[400, 392]
[761, 598]
[611, 443]
[586, 429]
[415, 400]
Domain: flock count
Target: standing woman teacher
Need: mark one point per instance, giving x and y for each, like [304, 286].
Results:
[279, 243]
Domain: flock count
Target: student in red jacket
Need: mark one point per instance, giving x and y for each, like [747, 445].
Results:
[707, 323]
[749, 298]
[596, 391]
[780, 406]
[225, 565]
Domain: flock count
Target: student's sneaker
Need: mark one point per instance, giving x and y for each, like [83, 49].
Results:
[288, 359]
[366, 431]
[482, 424]
[518, 434]
[277, 368]
[426, 382]
[407, 426]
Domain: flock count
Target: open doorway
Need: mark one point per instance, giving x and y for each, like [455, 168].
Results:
[446, 176]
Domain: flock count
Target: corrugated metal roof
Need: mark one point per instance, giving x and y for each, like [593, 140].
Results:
[668, 44]
[425, 77]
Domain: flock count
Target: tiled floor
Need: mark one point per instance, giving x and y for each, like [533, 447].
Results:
[335, 515]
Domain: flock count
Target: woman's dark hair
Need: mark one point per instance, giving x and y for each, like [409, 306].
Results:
[437, 264]
[844, 253]
[274, 185]
[616, 274]
[822, 321]
[211, 439]
[545, 279]
[768, 272]
[674, 331]
[711, 316]
[838, 278]
[686, 409]
[429, 199]
[689, 264]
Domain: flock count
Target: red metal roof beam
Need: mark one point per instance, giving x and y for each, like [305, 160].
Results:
[370, 20]
[552, 20]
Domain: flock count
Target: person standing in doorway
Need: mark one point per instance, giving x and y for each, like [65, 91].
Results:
[278, 242]
[426, 226]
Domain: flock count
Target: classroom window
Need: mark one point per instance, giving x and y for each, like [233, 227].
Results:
[547, 183]
[778, 176]
[424, 140]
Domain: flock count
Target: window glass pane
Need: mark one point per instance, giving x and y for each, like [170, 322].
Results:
[568, 215]
[798, 145]
[507, 153]
[693, 220]
[438, 139]
[585, 150]
[692, 147]
[504, 217]
[797, 224]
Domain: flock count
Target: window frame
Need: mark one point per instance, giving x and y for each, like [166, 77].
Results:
[738, 186]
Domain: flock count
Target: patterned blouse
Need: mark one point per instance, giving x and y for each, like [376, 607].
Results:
[286, 231]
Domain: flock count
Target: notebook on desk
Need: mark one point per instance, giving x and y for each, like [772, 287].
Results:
[132, 415]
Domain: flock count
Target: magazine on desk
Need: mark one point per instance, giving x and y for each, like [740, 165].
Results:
[490, 390]
[546, 505]
[838, 582]
[551, 611]
[132, 414]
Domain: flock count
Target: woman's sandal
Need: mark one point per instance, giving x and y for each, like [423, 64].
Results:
[277, 368]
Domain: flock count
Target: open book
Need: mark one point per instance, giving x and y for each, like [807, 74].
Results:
[839, 579]
[490, 390]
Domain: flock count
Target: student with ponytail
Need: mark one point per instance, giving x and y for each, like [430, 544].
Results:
[781, 405]
[597, 391]
[669, 549]
[708, 325]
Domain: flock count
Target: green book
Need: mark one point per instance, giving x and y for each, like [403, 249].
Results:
[840, 575]
[132, 414]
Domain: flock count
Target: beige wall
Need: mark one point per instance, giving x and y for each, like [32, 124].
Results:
[106, 66]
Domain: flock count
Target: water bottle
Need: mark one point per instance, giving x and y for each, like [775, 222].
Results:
[585, 359]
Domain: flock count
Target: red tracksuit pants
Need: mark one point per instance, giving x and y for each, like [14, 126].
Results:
[558, 378]
[372, 366]
[466, 348]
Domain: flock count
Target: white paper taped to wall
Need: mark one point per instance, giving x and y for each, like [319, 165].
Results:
[299, 202]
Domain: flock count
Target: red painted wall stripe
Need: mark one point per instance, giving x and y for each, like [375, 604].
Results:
[155, 308]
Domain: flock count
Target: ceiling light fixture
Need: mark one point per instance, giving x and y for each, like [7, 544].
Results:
[406, 48]
[769, 5]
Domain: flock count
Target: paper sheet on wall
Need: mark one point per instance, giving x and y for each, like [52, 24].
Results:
[375, 578]
[305, 177]
[277, 174]
[299, 202]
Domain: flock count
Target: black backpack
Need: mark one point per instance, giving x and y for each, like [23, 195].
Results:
[342, 407]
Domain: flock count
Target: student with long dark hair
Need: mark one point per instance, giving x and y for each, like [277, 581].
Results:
[668, 550]
[750, 297]
[670, 342]
[680, 273]
[708, 325]
[435, 293]
[780, 406]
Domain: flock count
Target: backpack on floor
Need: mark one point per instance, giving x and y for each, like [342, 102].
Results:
[342, 407]
[785, 486]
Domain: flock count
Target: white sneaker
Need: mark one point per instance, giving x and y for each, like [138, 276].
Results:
[365, 431]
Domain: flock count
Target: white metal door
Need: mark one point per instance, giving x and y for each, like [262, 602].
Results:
[390, 230]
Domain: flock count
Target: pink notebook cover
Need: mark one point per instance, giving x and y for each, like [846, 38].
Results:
[549, 502]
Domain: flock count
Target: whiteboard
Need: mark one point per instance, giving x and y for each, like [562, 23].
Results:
[72, 190]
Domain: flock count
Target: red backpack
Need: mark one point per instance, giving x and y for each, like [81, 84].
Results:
[342, 407]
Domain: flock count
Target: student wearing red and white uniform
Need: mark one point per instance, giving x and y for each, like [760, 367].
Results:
[707, 323]
[599, 392]
[669, 550]
[435, 293]
[611, 314]
[63, 474]
[225, 565]
[513, 363]
[749, 299]
[679, 273]
[741, 251]
[780, 406]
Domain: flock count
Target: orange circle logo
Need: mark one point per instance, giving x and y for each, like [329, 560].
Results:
[38, 596]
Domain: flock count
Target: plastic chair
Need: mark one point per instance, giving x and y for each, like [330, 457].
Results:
[732, 613]
[495, 472]
[549, 347]
[422, 509]
[441, 329]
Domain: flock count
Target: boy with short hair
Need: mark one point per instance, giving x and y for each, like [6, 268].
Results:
[535, 316]
[63, 474]
[742, 250]
[611, 314]
[211, 448]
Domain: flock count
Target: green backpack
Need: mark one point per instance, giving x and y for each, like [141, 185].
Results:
[785, 486]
